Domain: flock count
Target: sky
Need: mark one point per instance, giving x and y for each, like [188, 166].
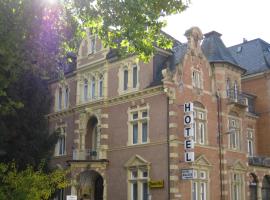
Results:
[234, 19]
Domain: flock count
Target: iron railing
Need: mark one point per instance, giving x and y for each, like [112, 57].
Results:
[85, 154]
[234, 96]
[259, 161]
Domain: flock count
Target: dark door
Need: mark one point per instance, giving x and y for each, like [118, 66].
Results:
[99, 188]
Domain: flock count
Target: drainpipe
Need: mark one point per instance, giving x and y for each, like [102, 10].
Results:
[220, 143]
[168, 149]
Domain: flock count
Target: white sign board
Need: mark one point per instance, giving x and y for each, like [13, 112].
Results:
[189, 132]
[187, 174]
[71, 197]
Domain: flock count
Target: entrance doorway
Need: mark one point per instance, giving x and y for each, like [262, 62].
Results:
[90, 186]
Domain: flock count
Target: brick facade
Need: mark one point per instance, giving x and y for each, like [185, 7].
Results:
[115, 134]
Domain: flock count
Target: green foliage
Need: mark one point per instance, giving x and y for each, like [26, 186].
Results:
[33, 35]
[30, 184]
[136, 23]
[24, 134]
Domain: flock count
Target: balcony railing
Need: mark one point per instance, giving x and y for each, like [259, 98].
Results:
[259, 161]
[85, 154]
[236, 97]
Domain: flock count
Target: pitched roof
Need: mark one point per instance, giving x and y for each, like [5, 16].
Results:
[215, 50]
[252, 55]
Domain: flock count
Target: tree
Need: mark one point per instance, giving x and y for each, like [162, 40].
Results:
[30, 184]
[33, 34]
[24, 132]
[133, 26]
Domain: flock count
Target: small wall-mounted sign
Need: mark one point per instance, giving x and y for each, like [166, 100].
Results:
[71, 197]
[156, 184]
[187, 174]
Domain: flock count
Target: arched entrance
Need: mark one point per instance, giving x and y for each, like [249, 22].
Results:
[90, 186]
[266, 188]
[253, 181]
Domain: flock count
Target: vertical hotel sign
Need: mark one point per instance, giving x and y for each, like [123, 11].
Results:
[189, 132]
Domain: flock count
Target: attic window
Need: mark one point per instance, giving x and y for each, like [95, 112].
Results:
[239, 49]
[268, 49]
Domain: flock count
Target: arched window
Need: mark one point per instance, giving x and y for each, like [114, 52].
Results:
[92, 138]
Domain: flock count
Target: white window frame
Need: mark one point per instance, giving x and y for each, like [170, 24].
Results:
[140, 179]
[60, 147]
[200, 135]
[197, 81]
[237, 185]
[250, 142]
[139, 121]
[127, 82]
[200, 179]
[234, 124]
[66, 98]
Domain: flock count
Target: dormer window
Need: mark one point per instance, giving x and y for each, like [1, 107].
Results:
[135, 75]
[128, 77]
[125, 86]
[92, 44]
[61, 98]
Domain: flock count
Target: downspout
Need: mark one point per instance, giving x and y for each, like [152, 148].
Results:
[220, 143]
[168, 149]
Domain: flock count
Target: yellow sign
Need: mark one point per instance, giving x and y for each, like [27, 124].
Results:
[156, 184]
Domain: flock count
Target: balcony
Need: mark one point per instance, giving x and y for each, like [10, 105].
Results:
[261, 161]
[85, 154]
[237, 98]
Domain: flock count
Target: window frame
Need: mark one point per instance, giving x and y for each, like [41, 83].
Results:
[234, 133]
[196, 183]
[140, 122]
[197, 81]
[250, 142]
[60, 147]
[200, 118]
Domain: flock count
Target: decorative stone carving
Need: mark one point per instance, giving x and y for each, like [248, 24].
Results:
[194, 36]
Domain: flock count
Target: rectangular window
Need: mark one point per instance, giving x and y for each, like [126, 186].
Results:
[199, 186]
[60, 148]
[144, 132]
[145, 191]
[60, 99]
[199, 125]
[66, 97]
[135, 133]
[93, 45]
[234, 134]
[139, 127]
[135, 76]
[125, 86]
[85, 90]
[138, 183]
[236, 187]
[100, 88]
[93, 88]
[134, 191]
[196, 79]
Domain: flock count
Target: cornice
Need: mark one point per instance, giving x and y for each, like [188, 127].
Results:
[153, 91]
